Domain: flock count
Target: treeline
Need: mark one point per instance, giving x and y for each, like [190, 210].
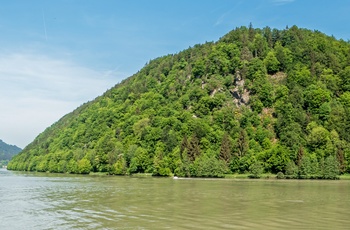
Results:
[258, 100]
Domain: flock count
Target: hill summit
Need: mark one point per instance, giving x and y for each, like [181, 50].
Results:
[256, 100]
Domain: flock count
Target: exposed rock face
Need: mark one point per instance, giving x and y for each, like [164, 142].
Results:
[240, 95]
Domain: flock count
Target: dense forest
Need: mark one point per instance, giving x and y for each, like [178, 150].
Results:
[257, 100]
[7, 152]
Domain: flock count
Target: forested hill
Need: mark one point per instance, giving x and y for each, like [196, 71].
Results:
[257, 99]
[8, 151]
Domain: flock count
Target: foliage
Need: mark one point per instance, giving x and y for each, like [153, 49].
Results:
[256, 169]
[280, 175]
[257, 100]
[291, 171]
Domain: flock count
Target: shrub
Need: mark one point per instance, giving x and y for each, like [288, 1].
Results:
[84, 166]
[256, 169]
[280, 175]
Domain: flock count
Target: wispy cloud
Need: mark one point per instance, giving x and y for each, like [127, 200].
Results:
[221, 19]
[37, 90]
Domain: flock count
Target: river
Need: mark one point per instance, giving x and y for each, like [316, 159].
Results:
[54, 201]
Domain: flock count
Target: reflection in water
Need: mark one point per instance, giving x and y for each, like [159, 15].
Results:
[46, 201]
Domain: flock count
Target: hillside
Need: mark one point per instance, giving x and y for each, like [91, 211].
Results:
[7, 152]
[257, 99]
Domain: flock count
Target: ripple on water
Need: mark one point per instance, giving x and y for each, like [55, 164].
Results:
[83, 202]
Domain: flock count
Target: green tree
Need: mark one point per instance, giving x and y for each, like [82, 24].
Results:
[271, 62]
[284, 56]
[260, 46]
[160, 167]
[208, 166]
[184, 146]
[193, 149]
[345, 79]
[291, 170]
[318, 137]
[331, 168]
[242, 143]
[225, 149]
[120, 167]
[256, 169]
[279, 157]
[305, 168]
[315, 96]
[84, 166]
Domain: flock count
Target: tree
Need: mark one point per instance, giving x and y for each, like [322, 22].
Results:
[251, 32]
[345, 78]
[120, 167]
[206, 166]
[300, 155]
[256, 169]
[324, 111]
[271, 63]
[331, 168]
[318, 138]
[160, 167]
[199, 68]
[193, 149]
[315, 96]
[279, 157]
[184, 146]
[242, 143]
[341, 159]
[260, 46]
[304, 168]
[225, 149]
[284, 56]
[291, 170]
[84, 166]
[256, 69]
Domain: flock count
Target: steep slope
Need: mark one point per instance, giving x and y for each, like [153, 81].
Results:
[258, 98]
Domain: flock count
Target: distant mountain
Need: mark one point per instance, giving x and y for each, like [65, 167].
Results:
[8, 151]
[257, 100]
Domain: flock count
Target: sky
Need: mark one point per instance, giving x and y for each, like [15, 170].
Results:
[56, 55]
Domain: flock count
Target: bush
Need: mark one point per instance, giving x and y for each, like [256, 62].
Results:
[119, 167]
[291, 170]
[280, 175]
[84, 166]
[256, 169]
[208, 167]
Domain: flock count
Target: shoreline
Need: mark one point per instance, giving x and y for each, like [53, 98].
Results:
[267, 176]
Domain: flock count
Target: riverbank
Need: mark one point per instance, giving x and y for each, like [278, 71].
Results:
[265, 176]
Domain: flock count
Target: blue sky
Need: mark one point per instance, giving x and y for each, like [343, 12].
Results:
[57, 54]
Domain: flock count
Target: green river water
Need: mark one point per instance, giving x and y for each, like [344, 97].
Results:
[54, 201]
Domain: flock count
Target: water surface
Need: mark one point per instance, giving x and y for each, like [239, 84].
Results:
[55, 201]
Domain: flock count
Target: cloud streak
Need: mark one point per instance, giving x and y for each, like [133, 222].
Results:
[37, 90]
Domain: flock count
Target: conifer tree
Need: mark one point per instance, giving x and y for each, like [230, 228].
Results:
[341, 160]
[193, 148]
[184, 146]
[242, 143]
[300, 155]
[225, 150]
